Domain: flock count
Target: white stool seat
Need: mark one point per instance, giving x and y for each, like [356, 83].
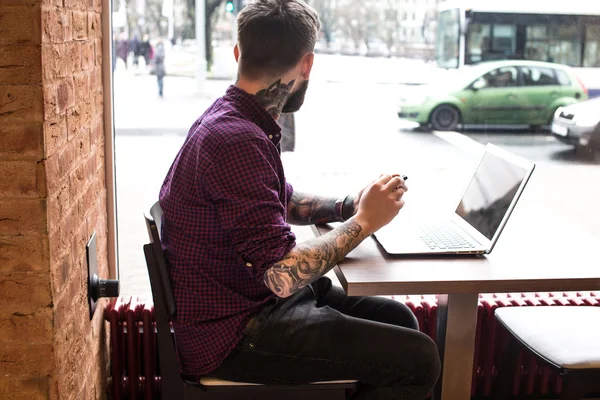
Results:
[207, 381]
[567, 336]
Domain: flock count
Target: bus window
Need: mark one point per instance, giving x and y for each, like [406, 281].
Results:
[553, 43]
[505, 40]
[448, 39]
[592, 47]
[478, 42]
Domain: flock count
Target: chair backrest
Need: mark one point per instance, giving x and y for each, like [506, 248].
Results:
[164, 306]
[154, 224]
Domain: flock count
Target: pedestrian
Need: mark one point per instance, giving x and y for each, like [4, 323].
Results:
[123, 48]
[253, 305]
[145, 49]
[159, 66]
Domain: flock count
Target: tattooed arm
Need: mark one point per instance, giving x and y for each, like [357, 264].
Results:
[378, 204]
[312, 259]
[308, 209]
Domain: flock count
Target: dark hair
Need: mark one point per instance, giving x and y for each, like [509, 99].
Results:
[273, 35]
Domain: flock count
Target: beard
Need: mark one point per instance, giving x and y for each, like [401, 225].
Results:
[296, 99]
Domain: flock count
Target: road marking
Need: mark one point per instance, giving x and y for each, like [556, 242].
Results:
[461, 141]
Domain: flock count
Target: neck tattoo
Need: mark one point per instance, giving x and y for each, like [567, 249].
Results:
[274, 97]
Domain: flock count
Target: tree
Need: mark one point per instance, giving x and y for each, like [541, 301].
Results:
[327, 14]
[210, 7]
[359, 21]
[391, 19]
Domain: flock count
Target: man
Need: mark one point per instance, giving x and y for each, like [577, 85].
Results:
[252, 304]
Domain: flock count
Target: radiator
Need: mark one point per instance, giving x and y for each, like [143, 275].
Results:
[134, 371]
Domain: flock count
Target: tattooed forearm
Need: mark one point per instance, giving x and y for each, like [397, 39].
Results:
[308, 209]
[310, 260]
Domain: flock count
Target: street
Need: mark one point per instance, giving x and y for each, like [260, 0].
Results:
[347, 134]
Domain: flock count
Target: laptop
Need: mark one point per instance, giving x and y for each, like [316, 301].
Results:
[474, 226]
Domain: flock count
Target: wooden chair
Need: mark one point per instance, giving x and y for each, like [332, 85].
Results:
[567, 338]
[178, 386]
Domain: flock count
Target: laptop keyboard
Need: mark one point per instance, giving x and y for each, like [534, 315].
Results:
[444, 237]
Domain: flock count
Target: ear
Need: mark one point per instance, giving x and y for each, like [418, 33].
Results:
[306, 65]
[236, 53]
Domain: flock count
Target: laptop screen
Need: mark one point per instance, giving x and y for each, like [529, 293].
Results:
[490, 193]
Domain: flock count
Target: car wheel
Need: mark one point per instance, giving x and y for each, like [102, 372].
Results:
[445, 118]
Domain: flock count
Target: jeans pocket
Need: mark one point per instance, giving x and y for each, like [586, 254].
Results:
[257, 323]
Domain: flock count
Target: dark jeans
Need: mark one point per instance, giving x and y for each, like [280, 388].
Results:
[160, 80]
[320, 334]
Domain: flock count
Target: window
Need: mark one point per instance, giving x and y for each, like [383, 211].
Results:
[562, 77]
[591, 57]
[499, 78]
[534, 76]
[448, 39]
[478, 42]
[553, 43]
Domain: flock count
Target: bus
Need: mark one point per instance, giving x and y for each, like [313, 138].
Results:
[564, 32]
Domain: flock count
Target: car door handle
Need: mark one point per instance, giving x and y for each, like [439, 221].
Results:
[554, 94]
[512, 97]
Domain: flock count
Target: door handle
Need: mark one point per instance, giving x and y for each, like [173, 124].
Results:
[554, 94]
[511, 96]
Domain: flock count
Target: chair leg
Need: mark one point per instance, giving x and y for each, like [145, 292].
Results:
[505, 379]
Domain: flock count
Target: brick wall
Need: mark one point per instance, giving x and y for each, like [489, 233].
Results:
[52, 197]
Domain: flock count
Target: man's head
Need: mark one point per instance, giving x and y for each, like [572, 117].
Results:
[276, 39]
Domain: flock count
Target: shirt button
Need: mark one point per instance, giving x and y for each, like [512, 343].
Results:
[248, 264]
[277, 135]
[270, 136]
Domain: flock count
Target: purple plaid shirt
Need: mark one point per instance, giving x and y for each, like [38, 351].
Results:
[224, 205]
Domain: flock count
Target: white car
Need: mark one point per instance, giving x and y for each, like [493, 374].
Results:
[578, 124]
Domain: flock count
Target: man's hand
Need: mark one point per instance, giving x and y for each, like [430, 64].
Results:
[380, 202]
[355, 200]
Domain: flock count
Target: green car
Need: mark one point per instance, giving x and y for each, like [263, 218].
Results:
[496, 92]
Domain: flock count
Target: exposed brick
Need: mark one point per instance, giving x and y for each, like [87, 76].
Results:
[23, 254]
[23, 216]
[61, 60]
[94, 25]
[19, 2]
[25, 388]
[97, 134]
[52, 3]
[22, 141]
[67, 18]
[65, 94]
[55, 134]
[20, 24]
[36, 359]
[69, 302]
[78, 118]
[58, 205]
[24, 293]
[82, 86]
[77, 4]
[80, 25]
[20, 65]
[52, 26]
[96, 79]
[28, 328]
[87, 55]
[19, 179]
[98, 104]
[98, 52]
[20, 104]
